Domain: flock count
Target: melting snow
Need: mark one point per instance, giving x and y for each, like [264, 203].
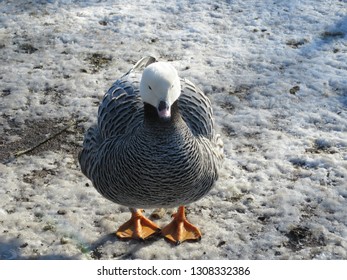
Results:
[276, 74]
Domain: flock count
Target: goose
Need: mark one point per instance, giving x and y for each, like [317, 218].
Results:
[154, 146]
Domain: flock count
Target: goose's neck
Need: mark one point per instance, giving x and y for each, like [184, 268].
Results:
[153, 121]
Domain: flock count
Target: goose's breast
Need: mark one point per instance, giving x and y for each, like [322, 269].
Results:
[155, 175]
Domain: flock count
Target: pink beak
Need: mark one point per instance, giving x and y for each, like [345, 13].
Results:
[164, 110]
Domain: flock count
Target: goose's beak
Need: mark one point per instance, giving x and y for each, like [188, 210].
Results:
[164, 110]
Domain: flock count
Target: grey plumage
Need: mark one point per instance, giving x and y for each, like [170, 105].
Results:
[136, 161]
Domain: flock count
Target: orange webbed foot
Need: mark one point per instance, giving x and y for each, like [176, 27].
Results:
[180, 230]
[138, 227]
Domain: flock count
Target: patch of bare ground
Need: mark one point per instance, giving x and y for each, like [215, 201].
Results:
[36, 137]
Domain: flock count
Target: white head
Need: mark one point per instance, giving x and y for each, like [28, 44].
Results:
[160, 87]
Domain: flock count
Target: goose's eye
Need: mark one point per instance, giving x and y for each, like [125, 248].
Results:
[150, 87]
[172, 86]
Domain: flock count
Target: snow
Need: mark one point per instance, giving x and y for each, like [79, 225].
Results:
[275, 72]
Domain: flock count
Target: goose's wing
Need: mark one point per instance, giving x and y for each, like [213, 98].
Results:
[196, 110]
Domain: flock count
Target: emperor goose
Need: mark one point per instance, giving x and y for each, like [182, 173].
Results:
[154, 146]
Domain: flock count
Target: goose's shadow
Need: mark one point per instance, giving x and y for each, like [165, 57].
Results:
[95, 248]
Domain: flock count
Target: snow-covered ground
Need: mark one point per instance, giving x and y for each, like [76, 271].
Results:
[276, 72]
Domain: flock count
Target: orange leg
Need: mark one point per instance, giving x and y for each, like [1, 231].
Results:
[138, 227]
[180, 230]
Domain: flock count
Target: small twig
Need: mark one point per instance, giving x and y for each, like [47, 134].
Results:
[50, 137]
